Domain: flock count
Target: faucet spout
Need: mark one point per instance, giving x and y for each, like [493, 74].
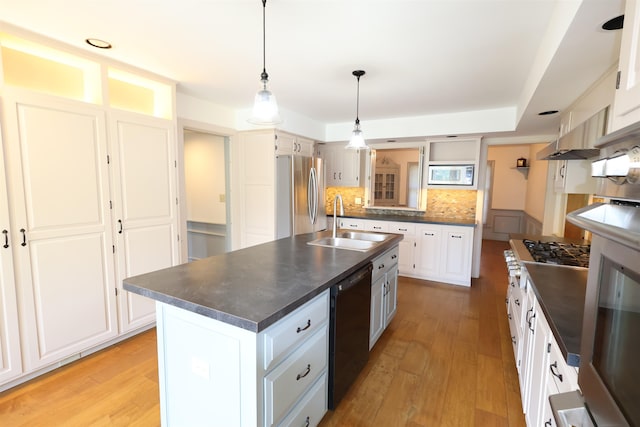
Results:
[335, 222]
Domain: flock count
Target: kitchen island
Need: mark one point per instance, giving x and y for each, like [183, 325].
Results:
[243, 337]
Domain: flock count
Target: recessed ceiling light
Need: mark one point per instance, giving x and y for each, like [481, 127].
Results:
[548, 112]
[614, 23]
[100, 44]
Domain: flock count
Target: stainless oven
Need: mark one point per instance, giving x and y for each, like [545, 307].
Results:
[609, 375]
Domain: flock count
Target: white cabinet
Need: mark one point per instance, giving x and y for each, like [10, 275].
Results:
[406, 247]
[627, 98]
[78, 198]
[144, 208]
[10, 363]
[210, 370]
[457, 247]
[444, 253]
[384, 291]
[542, 370]
[344, 168]
[456, 151]
[538, 376]
[574, 177]
[288, 144]
[62, 230]
[430, 238]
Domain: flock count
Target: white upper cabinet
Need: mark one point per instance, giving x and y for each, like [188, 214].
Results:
[344, 167]
[57, 166]
[144, 206]
[627, 99]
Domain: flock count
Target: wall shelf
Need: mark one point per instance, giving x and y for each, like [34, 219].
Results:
[523, 170]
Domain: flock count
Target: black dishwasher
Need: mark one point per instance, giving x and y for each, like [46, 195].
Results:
[348, 332]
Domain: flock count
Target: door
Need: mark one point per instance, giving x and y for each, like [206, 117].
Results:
[144, 200]
[10, 364]
[57, 165]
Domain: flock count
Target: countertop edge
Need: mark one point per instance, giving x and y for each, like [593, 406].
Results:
[416, 219]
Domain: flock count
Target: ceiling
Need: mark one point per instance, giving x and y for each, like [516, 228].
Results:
[421, 57]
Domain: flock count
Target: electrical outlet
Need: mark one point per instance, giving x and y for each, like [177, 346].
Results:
[358, 200]
[222, 198]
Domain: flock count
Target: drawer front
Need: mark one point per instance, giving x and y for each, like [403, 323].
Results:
[382, 263]
[564, 376]
[352, 224]
[379, 226]
[311, 408]
[289, 381]
[402, 228]
[302, 323]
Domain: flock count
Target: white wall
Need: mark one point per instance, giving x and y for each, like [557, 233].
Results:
[204, 177]
[536, 183]
[509, 184]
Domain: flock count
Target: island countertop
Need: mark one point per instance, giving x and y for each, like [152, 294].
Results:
[254, 287]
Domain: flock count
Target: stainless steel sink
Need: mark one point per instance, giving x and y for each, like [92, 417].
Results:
[352, 240]
[370, 237]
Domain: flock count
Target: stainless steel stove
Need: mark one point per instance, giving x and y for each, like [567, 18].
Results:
[561, 253]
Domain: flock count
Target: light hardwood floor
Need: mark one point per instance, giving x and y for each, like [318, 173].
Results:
[445, 360]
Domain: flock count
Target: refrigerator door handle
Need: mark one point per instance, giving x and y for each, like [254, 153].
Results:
[315, 195]
[310, 195]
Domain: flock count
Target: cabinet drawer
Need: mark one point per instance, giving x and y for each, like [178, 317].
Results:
[402, 228]
[379, 226]
[352, 224]
[289, 381]
[564, 376]
[311, 408]
[382, 264]
[301, 324]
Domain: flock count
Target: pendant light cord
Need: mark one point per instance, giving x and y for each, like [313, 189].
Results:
[357, 101]
[264, 75]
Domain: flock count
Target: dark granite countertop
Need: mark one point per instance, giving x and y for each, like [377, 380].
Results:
[560, 292]
[254, 287]
[409, 218]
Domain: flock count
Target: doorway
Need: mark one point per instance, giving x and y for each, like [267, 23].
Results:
[206, 193]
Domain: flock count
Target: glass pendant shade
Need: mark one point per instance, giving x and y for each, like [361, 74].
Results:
[357, 139]
[265, 108]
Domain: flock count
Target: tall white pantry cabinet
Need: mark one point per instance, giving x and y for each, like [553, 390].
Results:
[87, 198]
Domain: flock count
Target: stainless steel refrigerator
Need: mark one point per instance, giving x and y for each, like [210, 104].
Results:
[300, 195]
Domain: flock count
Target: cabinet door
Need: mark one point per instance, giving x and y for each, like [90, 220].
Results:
[350, 173]
[391, 295]
[627, 98]
[57, 164]
[539, 371]
[284, 144]
[144, 206]
[457, 249]
[10, 364]
[377, 310]
[430, 251]
[527, 344]
[406, 257]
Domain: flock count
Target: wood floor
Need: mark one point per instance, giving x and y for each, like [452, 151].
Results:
[445, 360]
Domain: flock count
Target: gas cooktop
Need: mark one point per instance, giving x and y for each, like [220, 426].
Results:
[570, 254]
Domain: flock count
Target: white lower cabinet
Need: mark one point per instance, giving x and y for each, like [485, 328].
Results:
[384, 291]
[437, 252]
[542, 370]
[210, 370]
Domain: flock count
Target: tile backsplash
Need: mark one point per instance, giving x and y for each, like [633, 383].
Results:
[440, 203]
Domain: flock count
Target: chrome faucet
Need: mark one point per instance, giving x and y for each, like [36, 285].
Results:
[335, 223]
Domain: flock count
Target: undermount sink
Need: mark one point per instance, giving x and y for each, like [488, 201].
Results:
[352, 240]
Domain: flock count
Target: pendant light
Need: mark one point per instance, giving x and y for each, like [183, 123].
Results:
[265, 107]
[357, 138]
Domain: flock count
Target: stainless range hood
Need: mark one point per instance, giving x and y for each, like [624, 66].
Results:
[579, 143]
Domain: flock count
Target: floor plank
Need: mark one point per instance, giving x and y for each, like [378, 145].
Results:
[445, 360]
